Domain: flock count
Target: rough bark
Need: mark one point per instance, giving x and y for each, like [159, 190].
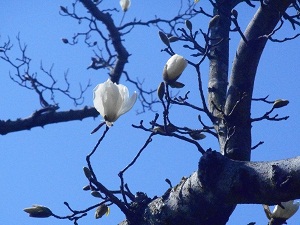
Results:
[207, 196]
[218, 64]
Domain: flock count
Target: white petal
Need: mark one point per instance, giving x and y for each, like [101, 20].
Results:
[289, 210]
[112, 100]
[175, 66]
[123, 90]
[127, 105]
[107, 100]
[125, 4]
[97, 99]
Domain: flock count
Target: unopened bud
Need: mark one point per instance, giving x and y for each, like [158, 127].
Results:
[285, 210]
[38, 211]
[96, 194]
[189, 25]
[164, 38]
[86, 188]
[197, 135]
[65, 40]
[64, 9]
[173, 38]
[125, 4]
[177, 84]
[101, 211]
[87, 172]
[161, 91]
[174, 68]
[280, 103]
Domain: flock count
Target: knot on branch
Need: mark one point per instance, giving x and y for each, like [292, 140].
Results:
[225, 177]
[211, 166]
[140, 203]
[280, 178]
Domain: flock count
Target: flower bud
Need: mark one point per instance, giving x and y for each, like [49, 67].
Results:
[38, 211]
[101, 211]
[64, 9]
[280, 103]
[177, 84]
[197, 135]
[173, 39]
[286, 210]
[65, 40]
[86, 188]
[164, 38]
[125, 4]
[161, 91]
[173, 68]
[189, 25]
[96, 194]
[87, 172]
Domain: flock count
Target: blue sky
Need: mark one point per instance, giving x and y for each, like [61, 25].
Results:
[44, 165]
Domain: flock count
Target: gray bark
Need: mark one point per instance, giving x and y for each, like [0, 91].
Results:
[208, 195]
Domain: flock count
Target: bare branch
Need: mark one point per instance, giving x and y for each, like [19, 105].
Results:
[44, 117]
[39, 84]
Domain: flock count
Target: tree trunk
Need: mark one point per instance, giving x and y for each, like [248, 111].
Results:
[208, 196]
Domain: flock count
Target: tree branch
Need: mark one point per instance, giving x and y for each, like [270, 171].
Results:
[122, 54]
[209, 195]
[243, 74]
[41, 118]
[218, 64]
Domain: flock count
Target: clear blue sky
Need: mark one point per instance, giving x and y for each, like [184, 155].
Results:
[44, 165]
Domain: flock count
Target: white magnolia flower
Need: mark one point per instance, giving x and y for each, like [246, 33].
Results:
[125, 4]
[174, 68]
[290, 208]
[112, 100]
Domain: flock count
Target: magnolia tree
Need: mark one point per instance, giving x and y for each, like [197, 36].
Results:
[209, 195]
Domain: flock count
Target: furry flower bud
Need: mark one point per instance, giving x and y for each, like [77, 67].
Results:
[38, 211]
[125, 4]
[174, 68]
[290, 208]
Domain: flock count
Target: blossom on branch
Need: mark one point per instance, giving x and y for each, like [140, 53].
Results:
[125, 4]
[283, 211]
[290, 208]
[174, 68]
[112, 100]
